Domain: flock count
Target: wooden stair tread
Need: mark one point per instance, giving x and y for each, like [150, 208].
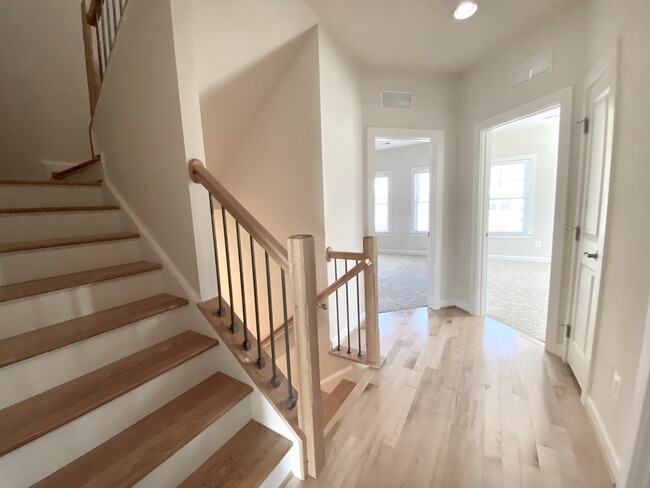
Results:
[46, 285]
[59, 175]
[335, 399]
[48, 183]
[245, 461]
[36, 416]
[66, 241]
[30, 210]
[128, 457]
[39, 341]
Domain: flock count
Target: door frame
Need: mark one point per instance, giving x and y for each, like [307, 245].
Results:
[436, 165]
[563, 98]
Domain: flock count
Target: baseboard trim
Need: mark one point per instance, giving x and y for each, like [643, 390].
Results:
[604, 442]
[528, 259]
[405, 253]
[450, 302]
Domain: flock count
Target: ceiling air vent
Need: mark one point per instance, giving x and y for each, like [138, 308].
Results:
[396, 100]
[531, 68]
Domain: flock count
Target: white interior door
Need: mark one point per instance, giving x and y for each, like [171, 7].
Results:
[590, 231]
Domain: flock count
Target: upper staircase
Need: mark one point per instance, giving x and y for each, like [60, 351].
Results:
[105, 379]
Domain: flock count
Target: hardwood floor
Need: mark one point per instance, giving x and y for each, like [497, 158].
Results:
[462, 402]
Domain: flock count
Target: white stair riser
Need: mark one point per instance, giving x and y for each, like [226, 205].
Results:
[32, 227]
[19, 468]
[44, 263]
[31, 313]
[185, 461]
[21, 196]
[33, 376]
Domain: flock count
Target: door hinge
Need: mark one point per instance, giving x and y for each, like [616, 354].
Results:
[578, 231]
[568, 331]
[585, 125]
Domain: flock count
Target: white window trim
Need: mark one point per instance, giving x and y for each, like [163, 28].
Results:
[529, 192]
[389, 174]
[414, 171]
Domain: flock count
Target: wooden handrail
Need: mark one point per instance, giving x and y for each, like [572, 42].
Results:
[264, 238]
[355, 256]
[93, 11]
[366, 263]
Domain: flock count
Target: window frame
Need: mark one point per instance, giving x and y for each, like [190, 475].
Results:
[414, 172]
[389, 175]
[530, 161]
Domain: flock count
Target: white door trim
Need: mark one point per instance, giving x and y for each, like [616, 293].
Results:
[563, 98]
[434, 261]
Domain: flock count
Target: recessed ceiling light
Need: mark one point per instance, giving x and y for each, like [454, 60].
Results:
[465, 9]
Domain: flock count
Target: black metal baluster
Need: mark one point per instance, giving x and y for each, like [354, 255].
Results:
[338, 326]
[358, 315]
[247, 342]
[347, 306]
[275, 382]
[100, 54]
[291, 400]
[222, 311]
[260, 359]
[233, 324]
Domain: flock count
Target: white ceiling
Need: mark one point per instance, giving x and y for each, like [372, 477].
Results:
[382, 143]
[422, 35]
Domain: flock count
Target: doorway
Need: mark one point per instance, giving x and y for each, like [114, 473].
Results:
[519, 219]
[521, 177]
[404, 201]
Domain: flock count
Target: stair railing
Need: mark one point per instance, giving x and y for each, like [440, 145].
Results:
[100, 20]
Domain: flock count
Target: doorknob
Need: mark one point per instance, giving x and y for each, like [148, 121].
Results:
[591, 255]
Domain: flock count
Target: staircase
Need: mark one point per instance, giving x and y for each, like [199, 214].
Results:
[104, 377]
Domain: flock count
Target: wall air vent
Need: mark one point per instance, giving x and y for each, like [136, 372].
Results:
[532, 68]
[396, 100]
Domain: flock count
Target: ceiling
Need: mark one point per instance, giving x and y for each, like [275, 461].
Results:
[422, 35]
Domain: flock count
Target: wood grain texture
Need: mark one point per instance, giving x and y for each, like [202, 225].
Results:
[47, 285]
[78, 168]
[462, 402]
[66, 241]
[371, 294]
[36, 416]
[128, 457]
[39, 341]
[30, 210]
[245, 461]
[333, 401]
[49, 183]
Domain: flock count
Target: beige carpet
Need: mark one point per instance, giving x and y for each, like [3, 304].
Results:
[517, 295]
[402, 282]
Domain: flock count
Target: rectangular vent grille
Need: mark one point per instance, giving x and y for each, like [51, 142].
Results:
[396, 100]
[532, 68]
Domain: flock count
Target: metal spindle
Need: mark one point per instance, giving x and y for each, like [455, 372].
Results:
[260, 359]
[347, 306]
[275, 382]
[221, 312]
[99, 48]
[233, 324]
[107, 30]
[358, 315]
[291, 400]
[100, 26]
[338, 326]
[114, 18]
[247, 342]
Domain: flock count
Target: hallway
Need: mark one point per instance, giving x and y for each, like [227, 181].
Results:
[462, 402]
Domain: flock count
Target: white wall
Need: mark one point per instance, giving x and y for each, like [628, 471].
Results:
[400, 161]
[542, 142]
[43, 91]
[485, 92]
[625, 284]
[435, 106]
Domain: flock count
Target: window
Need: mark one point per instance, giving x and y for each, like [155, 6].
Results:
[382, 202]
[509, 210]
[420, 200]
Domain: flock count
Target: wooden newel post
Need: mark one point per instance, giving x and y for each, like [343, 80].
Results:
[302, 263]
[372, 305]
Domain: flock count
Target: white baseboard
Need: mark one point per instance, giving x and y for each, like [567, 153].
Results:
[167, 262]
[451, 302]
[528, 259]
[605, 443]
[405, 253]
